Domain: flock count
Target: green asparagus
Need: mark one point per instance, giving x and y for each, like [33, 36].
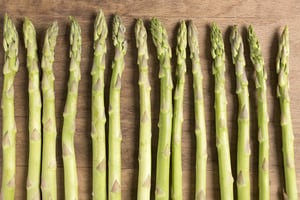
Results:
[98, 109]
[262, 115]
[243, 146]
[115, 136]
[9, 131]
[144, 178]
[218, 55]
[178, 113]
[69, 125]
[48, 179]
[282, 69]
[160, 40]
[200, 130]
[35, 106]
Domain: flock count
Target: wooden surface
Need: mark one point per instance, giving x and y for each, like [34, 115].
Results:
[268, 17]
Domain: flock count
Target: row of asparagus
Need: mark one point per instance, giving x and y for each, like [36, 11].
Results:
[42, 155]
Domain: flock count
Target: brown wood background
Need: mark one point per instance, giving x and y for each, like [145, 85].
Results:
[268, 17]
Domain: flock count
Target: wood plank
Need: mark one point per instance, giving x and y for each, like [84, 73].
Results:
[268, 17]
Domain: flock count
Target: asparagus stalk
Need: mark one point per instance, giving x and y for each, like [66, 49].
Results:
[35, 106]
[262, 115]
[11, 66]
[200, 130]
[115, 136]
[69, 125]
[178, 113]
[160, 40]
[282, 69]
[48, 179]
[144, 178]
[98, 109]
[218, 55]
[243, 146]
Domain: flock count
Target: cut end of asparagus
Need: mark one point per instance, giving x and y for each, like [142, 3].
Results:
[29, 33]
[160, 38]
[118, 36]
[216, 41]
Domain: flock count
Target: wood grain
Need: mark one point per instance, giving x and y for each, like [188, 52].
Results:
[268, 17]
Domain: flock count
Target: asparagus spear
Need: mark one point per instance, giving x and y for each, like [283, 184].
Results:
[48, 179]
[144, 178]
[282, 70]
[11, 66]
[69, 125]
[98, 109]
[218, 54]
[160, 40]
[178, 112]
[35, 106]
[243, 146]
[115, 136]
[262, 115]
[200, 130]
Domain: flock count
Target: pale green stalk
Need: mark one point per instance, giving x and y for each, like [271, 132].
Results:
[35, 106]
[48, 179]
[69, 125]
[9, 130]
[262, 115]
[144, 178]
[200, 130]
[243, 144]
[218, 55]
[114, 130]
[282, 69]
[98, 109]
[160, 40]
[176, 184]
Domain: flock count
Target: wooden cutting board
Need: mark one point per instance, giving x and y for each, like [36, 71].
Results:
[268, 18]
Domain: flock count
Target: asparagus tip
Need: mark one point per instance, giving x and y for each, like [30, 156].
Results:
[119, 34]
[29, 31]
[216, 41]
[236, 44]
